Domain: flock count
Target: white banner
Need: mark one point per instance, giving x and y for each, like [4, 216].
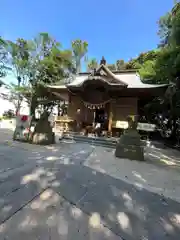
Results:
[22, 127]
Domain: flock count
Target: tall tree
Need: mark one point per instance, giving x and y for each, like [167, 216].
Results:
[120, 64]
[92, 64]
[51, 64]
[166, 70]
[37, 63]
[175, 25]
[165, 28]
[20, 61]
[79, 49]
[112, 67]
[3, 58]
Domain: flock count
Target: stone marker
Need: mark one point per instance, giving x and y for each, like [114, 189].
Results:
[129, 145]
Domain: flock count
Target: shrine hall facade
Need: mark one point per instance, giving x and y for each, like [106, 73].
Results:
[117, 94]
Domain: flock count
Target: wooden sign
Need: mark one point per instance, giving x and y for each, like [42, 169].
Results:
[121, 124]
[147, 127]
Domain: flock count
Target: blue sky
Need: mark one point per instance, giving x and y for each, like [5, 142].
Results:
[117, 29]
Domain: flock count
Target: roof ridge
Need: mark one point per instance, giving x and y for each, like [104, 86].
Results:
[109, 72]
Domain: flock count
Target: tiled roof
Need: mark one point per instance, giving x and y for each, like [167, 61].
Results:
[131, 78]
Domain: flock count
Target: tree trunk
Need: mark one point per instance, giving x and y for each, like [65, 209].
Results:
[43, 133]
[78, 65]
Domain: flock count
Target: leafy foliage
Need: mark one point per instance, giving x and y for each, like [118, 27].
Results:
[92, 64]
[8, 114]
[165, 28]
[3, 58]
[120, 64]
[112, 67]
[37, 63]
[147, 71]
[175, 25]
[165, 69]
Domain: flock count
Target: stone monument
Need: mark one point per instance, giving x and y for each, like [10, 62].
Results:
[129, 145]
[43, 133]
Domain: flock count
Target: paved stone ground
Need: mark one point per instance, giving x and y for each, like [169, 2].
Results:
[160, 173]
[71, 191]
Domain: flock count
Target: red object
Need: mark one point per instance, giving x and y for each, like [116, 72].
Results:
[24, 118]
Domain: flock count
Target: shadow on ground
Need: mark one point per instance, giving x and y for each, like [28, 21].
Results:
[61, 198]
[163, 157]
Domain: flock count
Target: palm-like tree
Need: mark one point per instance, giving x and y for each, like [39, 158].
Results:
[79, 49]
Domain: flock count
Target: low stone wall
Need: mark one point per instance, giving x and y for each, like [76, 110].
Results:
[8, 124]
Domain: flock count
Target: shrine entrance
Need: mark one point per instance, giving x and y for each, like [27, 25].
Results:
[92, 115]
[96, 99]
[102, 116]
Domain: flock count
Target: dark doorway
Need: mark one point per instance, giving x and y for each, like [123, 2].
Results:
[101, 116]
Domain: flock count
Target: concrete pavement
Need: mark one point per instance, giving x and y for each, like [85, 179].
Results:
[71, 191]
[160, 173]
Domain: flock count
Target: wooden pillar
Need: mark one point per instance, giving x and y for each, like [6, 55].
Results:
[69, 97]
[110, 118]
[69, 102]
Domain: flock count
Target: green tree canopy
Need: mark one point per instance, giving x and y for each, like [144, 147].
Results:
[3, 58]
[165, 28]
[112, 67]
[37, 63]
[120, 64]
[92, 64]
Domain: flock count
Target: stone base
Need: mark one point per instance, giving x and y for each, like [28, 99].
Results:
[131, 152]
[129, 146]
[43, 138]
[43, 133]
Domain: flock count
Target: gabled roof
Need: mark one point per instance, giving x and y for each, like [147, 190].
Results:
[131, 79]
[105, 73]
[128, 78]
[102, 74]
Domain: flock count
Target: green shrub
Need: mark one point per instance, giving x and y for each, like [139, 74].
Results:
[8, 114]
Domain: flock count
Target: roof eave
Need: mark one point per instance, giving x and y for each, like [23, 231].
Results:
[57, 86]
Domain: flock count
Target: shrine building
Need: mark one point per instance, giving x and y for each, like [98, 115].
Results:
[105, 96]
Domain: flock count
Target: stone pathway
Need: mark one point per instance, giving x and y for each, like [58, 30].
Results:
[49, 216]
[75, 191]
[155, 175]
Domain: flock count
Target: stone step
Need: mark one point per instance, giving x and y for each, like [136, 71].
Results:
[97, 141]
